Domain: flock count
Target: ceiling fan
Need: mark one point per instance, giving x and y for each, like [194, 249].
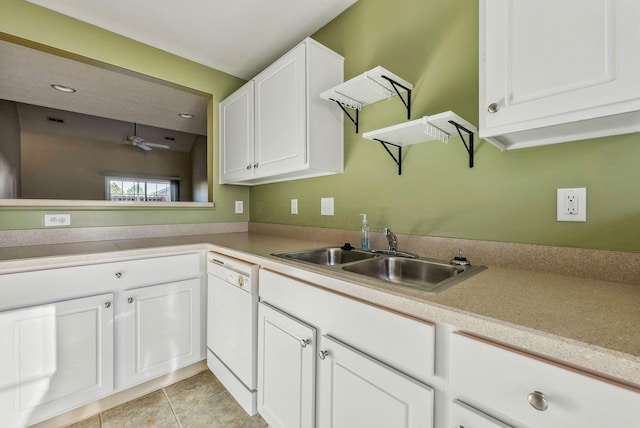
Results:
[140, 142]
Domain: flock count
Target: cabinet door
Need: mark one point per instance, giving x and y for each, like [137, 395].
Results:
[465, 416]
[286, 369]
[354, 390]
[281, 115]
[55, 357]
[236, 135]
[161, 329]
[546, 62]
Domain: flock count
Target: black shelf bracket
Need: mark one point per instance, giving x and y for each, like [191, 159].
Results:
[468, 146]
[407, 102]
[355, 120]
[397, 160]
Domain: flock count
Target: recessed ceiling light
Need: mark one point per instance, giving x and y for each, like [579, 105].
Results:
[63, 88]
[186, 115]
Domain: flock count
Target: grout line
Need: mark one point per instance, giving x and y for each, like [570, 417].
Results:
[171, 406]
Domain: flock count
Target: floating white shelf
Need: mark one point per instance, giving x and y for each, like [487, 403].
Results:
[428, 128]
[369, 87]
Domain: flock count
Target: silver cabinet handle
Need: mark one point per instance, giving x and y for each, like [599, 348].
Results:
[538, 401]
[323, 354]
[130, 300]
[459, 426]
[493, 107]
[107, 305]
[255, 165]
[118, 274]
[304, 342]
[249, 167]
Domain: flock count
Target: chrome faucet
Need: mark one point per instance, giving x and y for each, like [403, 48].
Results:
[392, 239]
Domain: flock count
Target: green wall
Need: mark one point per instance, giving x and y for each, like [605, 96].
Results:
[507, 196]
[27, 23]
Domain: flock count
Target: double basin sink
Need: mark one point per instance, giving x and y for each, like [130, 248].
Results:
[428, 275]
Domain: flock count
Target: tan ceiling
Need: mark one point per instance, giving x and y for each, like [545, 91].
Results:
[26, 76]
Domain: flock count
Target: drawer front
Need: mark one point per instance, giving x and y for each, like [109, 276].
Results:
[465, 416]
[30, 288]
[404, 343]
[506, 381]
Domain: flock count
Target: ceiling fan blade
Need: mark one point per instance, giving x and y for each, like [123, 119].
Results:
[143, 146]
[159, 146]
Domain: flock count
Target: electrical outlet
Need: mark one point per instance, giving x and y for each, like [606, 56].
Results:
[57, 220]
[239, 207]
[294, 206]
[572, 204]
[326, 206]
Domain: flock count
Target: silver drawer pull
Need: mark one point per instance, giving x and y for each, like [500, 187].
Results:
[323, 354]
[107, 305]
[493, 107]
[538, 401]
[304, 342]
[130, 300]
[118, 274]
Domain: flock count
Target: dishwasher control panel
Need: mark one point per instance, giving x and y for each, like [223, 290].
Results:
[236, 272]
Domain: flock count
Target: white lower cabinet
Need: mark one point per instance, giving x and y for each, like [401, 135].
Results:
[370, 364]
[286, 369]
[161, 329]
[60, 349]
[55, 357]
[525, 390]
[355, 390]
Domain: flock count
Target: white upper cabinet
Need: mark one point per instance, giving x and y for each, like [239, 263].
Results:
[236, 134]
[280, 126]
[558, 71]
[276, 127]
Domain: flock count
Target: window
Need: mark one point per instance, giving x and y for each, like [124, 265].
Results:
[141, 189]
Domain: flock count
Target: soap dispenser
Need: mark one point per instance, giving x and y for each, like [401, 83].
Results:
[364, 237]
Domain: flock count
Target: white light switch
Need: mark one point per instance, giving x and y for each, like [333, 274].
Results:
[294, 206]
[239, 207]
[326, 206]
[572, 204]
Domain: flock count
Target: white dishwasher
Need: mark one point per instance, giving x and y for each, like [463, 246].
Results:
[232, 326]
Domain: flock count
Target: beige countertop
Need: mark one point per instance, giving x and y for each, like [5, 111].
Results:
[586, 323]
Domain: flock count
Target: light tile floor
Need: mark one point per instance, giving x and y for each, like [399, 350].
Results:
[199, 401]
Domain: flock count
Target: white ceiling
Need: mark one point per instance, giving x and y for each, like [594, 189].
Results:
[239, 37]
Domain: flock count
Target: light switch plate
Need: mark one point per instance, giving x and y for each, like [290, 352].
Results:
[294, 206]
[326, 206]
[239, 207]
[572, 204]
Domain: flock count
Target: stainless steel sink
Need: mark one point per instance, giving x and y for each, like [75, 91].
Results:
[423, 274]
[328, 256]
[426, 275]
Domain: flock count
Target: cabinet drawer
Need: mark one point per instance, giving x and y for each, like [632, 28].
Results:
[465, 416]
[506, 381]
[404, 343]
[29, 288]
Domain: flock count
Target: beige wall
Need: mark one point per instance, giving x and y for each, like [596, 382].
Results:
[9, 151]
[199, 169]
[65, 168]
